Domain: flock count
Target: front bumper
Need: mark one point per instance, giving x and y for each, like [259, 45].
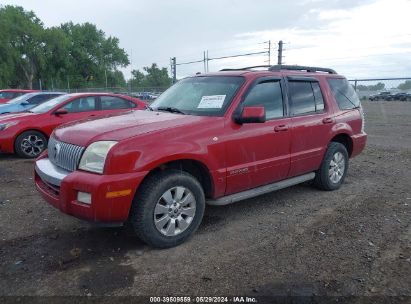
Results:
[6, 142]
[111, 195]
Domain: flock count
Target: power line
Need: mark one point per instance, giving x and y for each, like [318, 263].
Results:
[240, 55]
[206, 58]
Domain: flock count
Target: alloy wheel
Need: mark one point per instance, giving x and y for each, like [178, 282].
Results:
[32, 145]
[174, 211]
[337, 168]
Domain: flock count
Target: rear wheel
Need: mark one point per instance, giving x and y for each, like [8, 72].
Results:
[168, 208]
[334, 167]
[30, 144]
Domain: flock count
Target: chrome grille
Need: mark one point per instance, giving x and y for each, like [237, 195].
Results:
[64, 155]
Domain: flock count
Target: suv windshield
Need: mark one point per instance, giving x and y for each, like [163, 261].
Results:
[203, 95]
[48, 105]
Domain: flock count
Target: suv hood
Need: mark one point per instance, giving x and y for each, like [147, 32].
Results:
[121, 126]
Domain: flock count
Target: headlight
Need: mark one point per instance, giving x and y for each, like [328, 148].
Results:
[94, 157]
[6, 125]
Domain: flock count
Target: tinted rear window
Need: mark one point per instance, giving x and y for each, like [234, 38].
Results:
[306, 97]
[344, 93]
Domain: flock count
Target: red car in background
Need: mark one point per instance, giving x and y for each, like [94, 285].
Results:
[6, 95]
[27, 133]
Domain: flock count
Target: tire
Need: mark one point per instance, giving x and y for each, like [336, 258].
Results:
[30, 144]
[154, 208]
[326, 180]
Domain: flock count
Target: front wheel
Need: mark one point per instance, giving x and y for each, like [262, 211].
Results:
[30, 144]
[333, 169]
[168, 208]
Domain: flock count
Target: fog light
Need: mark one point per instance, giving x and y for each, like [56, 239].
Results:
[84, 197]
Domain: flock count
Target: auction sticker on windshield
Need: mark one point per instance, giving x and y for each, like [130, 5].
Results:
[212, 102]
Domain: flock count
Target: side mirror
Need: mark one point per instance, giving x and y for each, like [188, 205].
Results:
[251, 115]
[25, 103]
[60, 112]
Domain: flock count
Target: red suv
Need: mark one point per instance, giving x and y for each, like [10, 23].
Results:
[216, 138]
[26, 133]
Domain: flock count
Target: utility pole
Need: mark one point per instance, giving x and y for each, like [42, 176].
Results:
[280, 52]
[269, 52]
[131, 71]
[207, 61]
[173, 65]
[204, 61]
[105, 74]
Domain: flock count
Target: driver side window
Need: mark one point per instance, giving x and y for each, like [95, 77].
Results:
[84, 104]
[268, 95]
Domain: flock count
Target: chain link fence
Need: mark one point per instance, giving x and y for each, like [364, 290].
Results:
[388, 89]
[144, 93]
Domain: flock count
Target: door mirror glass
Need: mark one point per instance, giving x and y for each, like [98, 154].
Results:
[61, 111]
[251, 115]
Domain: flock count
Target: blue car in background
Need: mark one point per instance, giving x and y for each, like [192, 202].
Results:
[27, 101]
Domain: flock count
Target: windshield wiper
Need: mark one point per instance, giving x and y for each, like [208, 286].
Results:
[171, 110]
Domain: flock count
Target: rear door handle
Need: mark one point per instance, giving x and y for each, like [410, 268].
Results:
[281, 128]
[328, 120]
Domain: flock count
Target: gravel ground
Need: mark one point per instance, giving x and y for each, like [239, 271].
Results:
[297, 241]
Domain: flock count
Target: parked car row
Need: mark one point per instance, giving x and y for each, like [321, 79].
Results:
[148, 96]
[26, 133]
[388, 96]
[27, 101]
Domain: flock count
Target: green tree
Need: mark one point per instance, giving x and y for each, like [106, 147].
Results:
[152, 76]
[21, 32]
[92, 56]
[78, 55]
[157, 77]
[376, 87]
[138, 77]
[56, 51]
[405, 85]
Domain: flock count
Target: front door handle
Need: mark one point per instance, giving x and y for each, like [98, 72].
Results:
[328, 120]
[281, 128]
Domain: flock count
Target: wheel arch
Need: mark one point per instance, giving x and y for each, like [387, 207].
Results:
[27, 130]
[344, 139]
[192, 166]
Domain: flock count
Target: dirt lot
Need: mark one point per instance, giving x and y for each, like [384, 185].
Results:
[298, 241]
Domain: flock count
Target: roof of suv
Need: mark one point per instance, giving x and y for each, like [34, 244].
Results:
[276, 70]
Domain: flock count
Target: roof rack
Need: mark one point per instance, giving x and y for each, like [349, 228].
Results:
[300, 68]
[247, 68]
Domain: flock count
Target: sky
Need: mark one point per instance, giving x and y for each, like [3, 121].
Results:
[359, 38]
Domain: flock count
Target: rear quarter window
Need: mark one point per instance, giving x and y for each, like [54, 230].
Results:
[344, 93]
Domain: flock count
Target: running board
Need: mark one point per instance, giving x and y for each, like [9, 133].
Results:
[229, 199]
